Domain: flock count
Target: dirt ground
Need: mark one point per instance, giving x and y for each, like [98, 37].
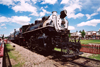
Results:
[86, 54]
[32, 59]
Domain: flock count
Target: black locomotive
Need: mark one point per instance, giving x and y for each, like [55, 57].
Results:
[48, 33]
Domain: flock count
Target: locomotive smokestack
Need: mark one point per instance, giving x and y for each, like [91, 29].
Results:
[63, 14]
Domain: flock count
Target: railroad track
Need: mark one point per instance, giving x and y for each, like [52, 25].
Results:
[76, 62]
[86, 62]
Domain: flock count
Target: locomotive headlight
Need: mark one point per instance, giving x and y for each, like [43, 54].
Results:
[63, 24]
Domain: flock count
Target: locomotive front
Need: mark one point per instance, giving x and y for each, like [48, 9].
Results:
[61, 38]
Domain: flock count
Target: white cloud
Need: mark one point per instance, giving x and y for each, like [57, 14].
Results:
[3, 19]
[90, 4]
[49, 1]
[23, 6]
[93, 22]
[34, 1]
[12, 32]
[17, 29]
[44, 12]
[98, 9]
[5, 27]
[46, 7]
[22, 20]
[64, 1]
[93, 14]
[71, 27]
[79, 15]
[6, 2]
[2, 25]
[39, 19]
[71, 7]
[28, 6]
[89, 16]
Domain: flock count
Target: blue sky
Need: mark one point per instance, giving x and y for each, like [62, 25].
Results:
[81, 14]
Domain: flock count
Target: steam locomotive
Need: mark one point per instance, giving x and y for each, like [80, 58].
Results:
[48, 33]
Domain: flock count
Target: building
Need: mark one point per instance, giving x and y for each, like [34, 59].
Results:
[93, 34]
[76, 34]
[98, 34]
[90, 34]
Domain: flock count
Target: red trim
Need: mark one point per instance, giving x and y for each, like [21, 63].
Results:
[1, 52]
[95, 49]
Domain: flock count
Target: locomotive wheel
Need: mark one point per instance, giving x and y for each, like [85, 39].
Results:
[33, 44]
[20, 43]
[67, 51]
[34, 47]
[49, 49]
[39, 49]
[27, 44]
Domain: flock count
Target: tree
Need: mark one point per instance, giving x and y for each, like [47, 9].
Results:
[69, 35]
[83, 33]
[3, 36]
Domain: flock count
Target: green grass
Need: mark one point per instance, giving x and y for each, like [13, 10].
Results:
[18, 65]
[97, 56]
[57, 49]
[90, 41]
[13, 55]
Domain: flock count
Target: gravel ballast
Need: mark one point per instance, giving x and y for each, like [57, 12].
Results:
[33, 59]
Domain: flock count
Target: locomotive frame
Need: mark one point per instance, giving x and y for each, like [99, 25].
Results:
[45, 36]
